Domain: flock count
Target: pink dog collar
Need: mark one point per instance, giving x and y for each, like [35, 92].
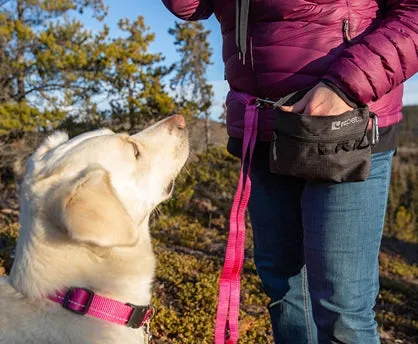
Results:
[84, 301]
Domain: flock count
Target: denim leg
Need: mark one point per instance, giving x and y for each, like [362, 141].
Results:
[275, 214]
[342, 231]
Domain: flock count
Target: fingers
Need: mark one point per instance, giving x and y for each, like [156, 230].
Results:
[320, 101]
[298, 107]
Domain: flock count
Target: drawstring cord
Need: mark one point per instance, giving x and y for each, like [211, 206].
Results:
[242, 10]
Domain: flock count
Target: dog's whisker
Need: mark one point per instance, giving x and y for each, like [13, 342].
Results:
[157, 212]
[187, 170]
[192, 158]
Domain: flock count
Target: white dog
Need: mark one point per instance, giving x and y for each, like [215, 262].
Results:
[85, 206]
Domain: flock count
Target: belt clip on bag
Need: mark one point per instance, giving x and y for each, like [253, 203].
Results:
[322, 148]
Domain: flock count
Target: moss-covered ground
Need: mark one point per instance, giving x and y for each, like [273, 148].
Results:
[189, 235]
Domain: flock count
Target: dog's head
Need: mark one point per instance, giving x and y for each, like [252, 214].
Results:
[99, 187]
[85, 205]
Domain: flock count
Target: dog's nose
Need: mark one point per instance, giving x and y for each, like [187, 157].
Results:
[178, 121]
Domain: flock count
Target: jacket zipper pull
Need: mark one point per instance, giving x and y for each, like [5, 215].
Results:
[346, 30]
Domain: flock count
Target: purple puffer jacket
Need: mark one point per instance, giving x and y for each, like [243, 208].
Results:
[365, 48]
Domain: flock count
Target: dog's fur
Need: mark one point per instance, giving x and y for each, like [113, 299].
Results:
[85, 205]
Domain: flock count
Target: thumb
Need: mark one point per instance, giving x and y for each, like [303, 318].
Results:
[297, 107]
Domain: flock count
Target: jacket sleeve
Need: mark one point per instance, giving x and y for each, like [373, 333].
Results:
[190, 9]
[382, 59]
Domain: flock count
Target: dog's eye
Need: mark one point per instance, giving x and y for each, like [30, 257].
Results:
[136, 150]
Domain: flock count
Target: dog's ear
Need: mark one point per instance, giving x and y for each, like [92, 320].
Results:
[52, 141]
[92, 213]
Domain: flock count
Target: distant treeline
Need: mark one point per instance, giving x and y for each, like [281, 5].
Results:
[409, 126]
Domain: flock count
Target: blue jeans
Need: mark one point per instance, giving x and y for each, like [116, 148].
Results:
[316, 249]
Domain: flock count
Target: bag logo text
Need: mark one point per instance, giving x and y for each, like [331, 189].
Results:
[341, 124]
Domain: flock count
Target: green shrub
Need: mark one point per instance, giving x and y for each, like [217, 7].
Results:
[189, 235]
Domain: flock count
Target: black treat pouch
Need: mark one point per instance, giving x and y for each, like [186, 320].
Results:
[322, 148]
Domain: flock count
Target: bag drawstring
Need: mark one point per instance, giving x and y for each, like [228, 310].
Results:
[242, 10]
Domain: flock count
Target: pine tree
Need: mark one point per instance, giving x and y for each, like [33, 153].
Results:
[52, 68]
[134, 83]
[47, 61]
[193, 47]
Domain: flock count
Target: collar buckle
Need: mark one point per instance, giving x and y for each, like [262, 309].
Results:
[140, 315]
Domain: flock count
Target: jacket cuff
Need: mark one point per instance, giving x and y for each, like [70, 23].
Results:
[349, 100]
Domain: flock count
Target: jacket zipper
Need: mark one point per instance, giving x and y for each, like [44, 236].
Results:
[314, 139]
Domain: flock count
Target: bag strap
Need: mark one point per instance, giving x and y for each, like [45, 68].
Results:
[283, 100]
[291, 97]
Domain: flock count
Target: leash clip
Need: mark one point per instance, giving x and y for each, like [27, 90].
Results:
[260, 102]
[147, 332]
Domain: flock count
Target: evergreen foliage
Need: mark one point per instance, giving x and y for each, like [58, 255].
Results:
[48, 61]
[191, 38]
[134, 82]
[51, 67]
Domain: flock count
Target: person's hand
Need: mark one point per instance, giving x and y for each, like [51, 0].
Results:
[320, 101]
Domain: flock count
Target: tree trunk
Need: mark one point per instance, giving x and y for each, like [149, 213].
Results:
[20, 56]
[132, 118]
[207, 131]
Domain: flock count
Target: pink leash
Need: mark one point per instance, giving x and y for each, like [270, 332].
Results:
[229, 284]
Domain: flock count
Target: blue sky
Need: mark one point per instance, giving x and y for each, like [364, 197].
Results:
[159, 19]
